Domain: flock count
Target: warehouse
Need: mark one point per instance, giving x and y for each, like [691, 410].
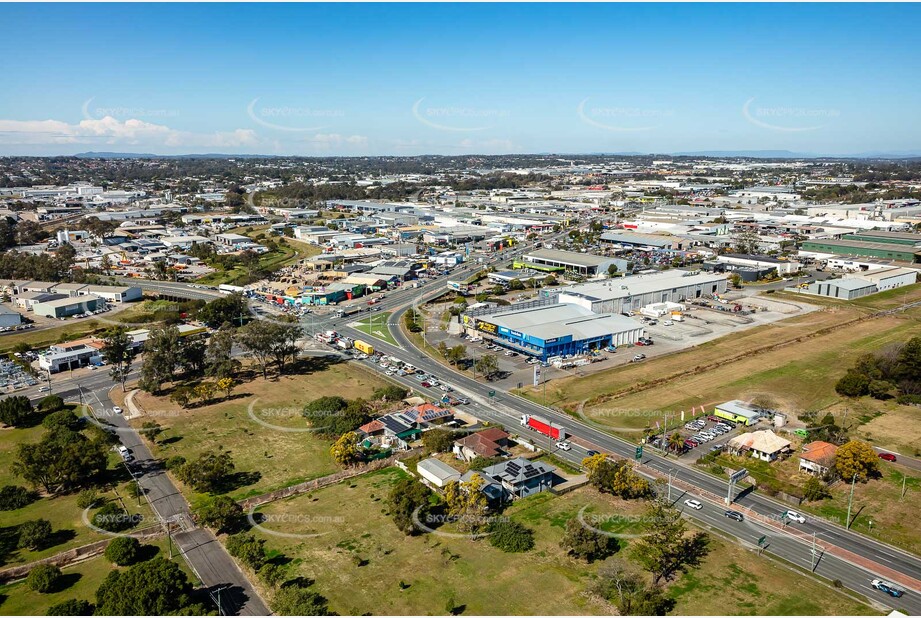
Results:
[783, 267]
[632, 293]
[583, 263]
[646, 242]
[65, 307]
[889, 278]
[113, 293]
[556, 330]
[9, 318]
[845, 289]
[888, 250]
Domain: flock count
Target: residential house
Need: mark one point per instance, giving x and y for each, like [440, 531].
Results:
[817, 457]
[488, 443]
[764, 445]
[521, 477]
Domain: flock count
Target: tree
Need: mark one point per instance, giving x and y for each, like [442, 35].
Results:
[13, 497]
[34, 534]
[182, 396]
[222, 513]
[629, 592]
[204, 391]
[44, 578]
[675, 442]
[438, 440]
[50, 403]
[853, 384]
[814, 489]
[405, 497]
[61, 460]
[587, 544]
[456, 354]
[123, 550]
[161, 355]
[15, 411]
[247, 549]
[192, 356]
[856, 457]
[219, 360]
[747, 243]
[612, 270]
[206, 472]
[487, 365]
[260, 340]
[226, 385]
[226, 310]
[114, 518]
[152, 430]
[294, 600]
[467, 504]
[117, 348]
[667, 548]
[71, 607]
[510, 536]
[879, 389]
[155, 587]
[62, 418]
[391, 392]
[345, 450]
[616, 477]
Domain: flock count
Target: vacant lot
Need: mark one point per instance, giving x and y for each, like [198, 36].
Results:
[796, 377]
[360, 559]
[273, 450]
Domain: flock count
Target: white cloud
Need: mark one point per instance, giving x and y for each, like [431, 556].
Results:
[111, 131]
[326, 141]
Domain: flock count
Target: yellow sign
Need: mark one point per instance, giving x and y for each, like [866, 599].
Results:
[486, 327]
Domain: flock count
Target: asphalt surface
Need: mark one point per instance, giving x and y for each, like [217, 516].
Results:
[226, 584]
[507, 409]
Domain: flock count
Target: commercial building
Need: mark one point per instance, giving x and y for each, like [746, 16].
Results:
[113, 293]
[646, 242]
[632, 293]
[9, 318]
[582, 263]
[783, 267]
[738, 412]
[65, 307]
[73, 355]
[556, 330]
[845, 289]
[886, 250]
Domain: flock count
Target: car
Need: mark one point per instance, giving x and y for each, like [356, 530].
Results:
[463, 401]
[426, 384]
[691, 443]
[638, 358]
[734, 515]
[563, 446]
[592, 453]
[716, 447]
[117, 410]
[887, 456]
[668, 323]
[446, 388]
[887, 587]
[640, 342]
[45, 389]
[694, 504]
[794, 516]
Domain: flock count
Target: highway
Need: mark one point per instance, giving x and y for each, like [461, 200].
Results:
[507, 409]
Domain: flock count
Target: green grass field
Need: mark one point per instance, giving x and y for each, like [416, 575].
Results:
[360, 559]
[81, 581]
[377, 325]
[268, 449]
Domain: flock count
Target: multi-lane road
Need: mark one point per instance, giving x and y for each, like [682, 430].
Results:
[796, 549]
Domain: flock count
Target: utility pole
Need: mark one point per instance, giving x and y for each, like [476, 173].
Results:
[670, 483]
[849, 501]
[903, 487]
[813, 562]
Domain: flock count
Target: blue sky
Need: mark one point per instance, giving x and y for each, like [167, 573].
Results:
[369, 79]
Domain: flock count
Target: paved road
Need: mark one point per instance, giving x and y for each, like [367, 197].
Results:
[207, 557]
[507, 409]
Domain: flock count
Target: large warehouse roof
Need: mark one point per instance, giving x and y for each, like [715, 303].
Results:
[625, 287]
[571, 258]
[553, 321]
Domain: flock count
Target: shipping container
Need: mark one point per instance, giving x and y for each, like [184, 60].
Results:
[361, 346]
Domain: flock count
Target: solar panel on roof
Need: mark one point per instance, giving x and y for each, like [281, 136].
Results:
[531, 473]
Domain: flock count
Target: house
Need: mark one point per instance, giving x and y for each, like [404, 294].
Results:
[817, 457]
[394, 430]
[520, 477]
[427, 413]
[487, 443]
[764, 445]
[437, 473]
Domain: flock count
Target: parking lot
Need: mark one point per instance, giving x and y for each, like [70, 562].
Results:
[699, 436]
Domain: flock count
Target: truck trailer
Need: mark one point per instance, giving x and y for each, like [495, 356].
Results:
[364, 347]
[347, 311]
[542, 425]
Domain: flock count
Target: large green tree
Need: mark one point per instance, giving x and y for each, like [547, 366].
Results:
[118, 350]
[156, 587]
[667, 547]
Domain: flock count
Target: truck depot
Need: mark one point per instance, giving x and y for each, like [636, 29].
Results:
[556, 330]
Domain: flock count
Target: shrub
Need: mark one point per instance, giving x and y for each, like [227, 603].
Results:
[113, 518]
[43, 578]
[248, 549]
[853, 384]
[14, 497]
[50, 403]
[123, 550]
[87, 498]
[909, 400]
[510, 536]
[175, 462]
[71, 607]
[34, 534]
[222, 513]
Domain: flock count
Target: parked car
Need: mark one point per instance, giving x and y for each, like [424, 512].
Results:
[694, 504]
[735, 515]
[887, 456]
[690, 443]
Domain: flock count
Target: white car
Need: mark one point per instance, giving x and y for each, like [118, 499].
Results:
[117, 410]
[563, 446]
[694, 504]
[668, 323]
[794, 516]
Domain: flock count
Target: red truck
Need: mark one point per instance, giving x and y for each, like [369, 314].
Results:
[543, 426]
